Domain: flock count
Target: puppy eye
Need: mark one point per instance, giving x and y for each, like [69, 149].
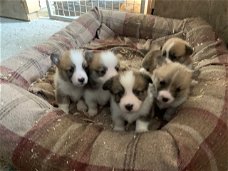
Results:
[162, 83]
[119, 94]
[101, 72]
[172, 56]
[117, 67]
[178, 89]
[164, 53]
[84, 66]
[137, 92]
[71, 70]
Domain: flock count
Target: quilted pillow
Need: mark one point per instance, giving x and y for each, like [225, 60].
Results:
[36, 136]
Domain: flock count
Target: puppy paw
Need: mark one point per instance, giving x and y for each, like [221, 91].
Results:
[81, 106]
[143, 70]
[141, 126]
[194, 83]
[118, 128]
[64, 107]
[141, 130]
[167, 117]
[92, 112]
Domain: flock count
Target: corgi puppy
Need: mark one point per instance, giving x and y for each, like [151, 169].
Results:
[178, 50]
[70, 77]
[131, 100]
[102, 66]
[174, 49]
[172, 81]
[151, 60]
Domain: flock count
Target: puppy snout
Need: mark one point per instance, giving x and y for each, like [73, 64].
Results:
[165, 99]
[129, 107]
[81, 80]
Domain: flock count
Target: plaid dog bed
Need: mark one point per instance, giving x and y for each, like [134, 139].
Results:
[36, 136]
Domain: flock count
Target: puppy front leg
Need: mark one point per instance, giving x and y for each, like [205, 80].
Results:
[81, 106]
[118, 124]
[141, 125]
[92, 107]
[169, 114]
[63, 102]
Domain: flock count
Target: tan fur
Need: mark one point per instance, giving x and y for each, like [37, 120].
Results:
[65, 61]
[176, 75]
[168, 70]
[180, 48]
[130, 88]
[66, 88]
[95, 63]
[102, 66]
[150, 61]
[141, 85]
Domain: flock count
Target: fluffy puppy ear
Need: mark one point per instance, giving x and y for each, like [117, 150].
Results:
[195, 74]
[188, 49]
[55, 58]
[161, 60]
[147, 77]
[88, 56]
[108, 84]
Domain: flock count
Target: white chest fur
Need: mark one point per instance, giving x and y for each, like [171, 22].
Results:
[66, 88]
[130, 117]
[99, 96]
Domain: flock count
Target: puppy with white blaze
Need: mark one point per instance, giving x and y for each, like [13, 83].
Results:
[70, 78]
[174, 49]
[132, 99]
[172, 81]
[178, 50]
[102, 66]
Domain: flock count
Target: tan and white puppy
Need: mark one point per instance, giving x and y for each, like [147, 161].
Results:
[102, 66]
[172, 81]
[132, 99]
[178, 50]
[174, 49]
[151, 60]
[70, 77]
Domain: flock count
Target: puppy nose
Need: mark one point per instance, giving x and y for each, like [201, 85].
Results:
[129, 107]
[165, 99]
[81, 80]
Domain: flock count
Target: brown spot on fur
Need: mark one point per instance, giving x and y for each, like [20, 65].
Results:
[175, 76]
[139, 89]
[65, 61]
[179, 50]
[65, 66]
[95, 63]
[115, 87]
[141, 85]
[151, 60]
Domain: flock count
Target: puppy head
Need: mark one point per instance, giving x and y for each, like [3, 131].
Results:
[72, 67]
[102, 66]
[129, 89]
[177, 50]
[151, 60]
[173, 82]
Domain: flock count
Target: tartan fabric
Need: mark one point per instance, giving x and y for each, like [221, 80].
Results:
[213, 11]
[36, 136]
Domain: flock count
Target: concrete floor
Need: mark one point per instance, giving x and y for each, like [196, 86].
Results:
[16, 35]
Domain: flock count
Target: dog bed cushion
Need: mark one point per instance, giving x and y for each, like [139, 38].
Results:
[34, 135]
